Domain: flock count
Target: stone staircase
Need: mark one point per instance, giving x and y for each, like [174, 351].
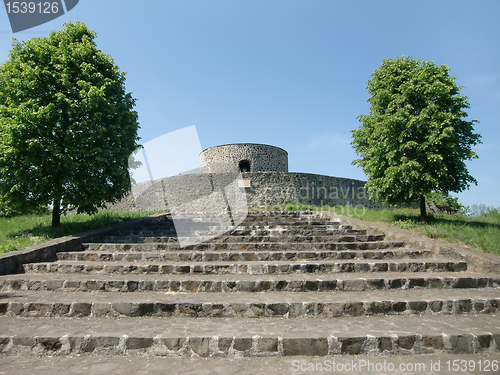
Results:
[280, 284]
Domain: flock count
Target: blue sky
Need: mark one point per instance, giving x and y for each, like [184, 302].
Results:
[290, 73]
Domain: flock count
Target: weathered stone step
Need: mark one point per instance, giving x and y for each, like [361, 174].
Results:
[252, 216]
[324, 227]
[299, 229]
[247, 267]
[239, 231]
[291, 222]
[255, 246]
[303, 215]
[190, 283]
[250, 305]
[209, 256]
[296, 227]
[300, 238]
[251, 238]
[293, 227]
[249, 221]
[186, 337]
[288, 221]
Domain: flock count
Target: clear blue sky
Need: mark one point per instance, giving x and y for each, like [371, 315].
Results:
[290, 73]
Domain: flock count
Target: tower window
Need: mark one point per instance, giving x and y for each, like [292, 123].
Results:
[244, 166]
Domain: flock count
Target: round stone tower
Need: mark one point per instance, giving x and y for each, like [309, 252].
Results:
[248, 157]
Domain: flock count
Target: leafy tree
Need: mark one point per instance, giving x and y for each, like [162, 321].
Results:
[415, 139]
[67, 126]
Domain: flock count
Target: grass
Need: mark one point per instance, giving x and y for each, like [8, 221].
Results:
[482, 232]
[26, 230]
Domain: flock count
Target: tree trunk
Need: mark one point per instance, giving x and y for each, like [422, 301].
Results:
[423, 212]
[56, 213]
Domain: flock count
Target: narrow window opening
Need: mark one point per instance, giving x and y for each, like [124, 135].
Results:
[244, 166]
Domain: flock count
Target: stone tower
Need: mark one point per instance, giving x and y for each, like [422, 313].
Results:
[248, 157]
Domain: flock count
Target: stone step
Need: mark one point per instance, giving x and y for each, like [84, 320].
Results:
[300, 238]
[254, 246]
[291, 222]
[187, 337]
[247, 267]
[298, 228]
[146, 229]
[209, 256]
[283, 214]
[325, 227]
[192, 283]
[250, 305]
[250, 216]
[248, 221]
[244, 237]
[273, 221]
[242, 230]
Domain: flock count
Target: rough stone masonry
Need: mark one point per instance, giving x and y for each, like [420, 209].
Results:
[265, 179]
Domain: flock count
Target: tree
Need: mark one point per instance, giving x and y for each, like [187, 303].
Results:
[415, 139]
[67, 126]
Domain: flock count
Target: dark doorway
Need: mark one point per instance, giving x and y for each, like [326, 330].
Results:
[244, 166]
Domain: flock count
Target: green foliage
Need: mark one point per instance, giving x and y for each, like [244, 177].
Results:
[415, 139]
[67, 126]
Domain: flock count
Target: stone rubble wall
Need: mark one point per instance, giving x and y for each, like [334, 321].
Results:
[262, 158]
[266, 189]
[277, 188]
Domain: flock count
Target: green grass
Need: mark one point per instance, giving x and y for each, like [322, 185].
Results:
[482, 232]
[26, 230]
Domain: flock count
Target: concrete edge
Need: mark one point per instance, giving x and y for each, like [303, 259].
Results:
[12, 261]
[478, 261]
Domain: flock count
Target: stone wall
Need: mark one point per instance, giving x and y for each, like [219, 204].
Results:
[262, 158]
[274, 188]
[265, 189]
